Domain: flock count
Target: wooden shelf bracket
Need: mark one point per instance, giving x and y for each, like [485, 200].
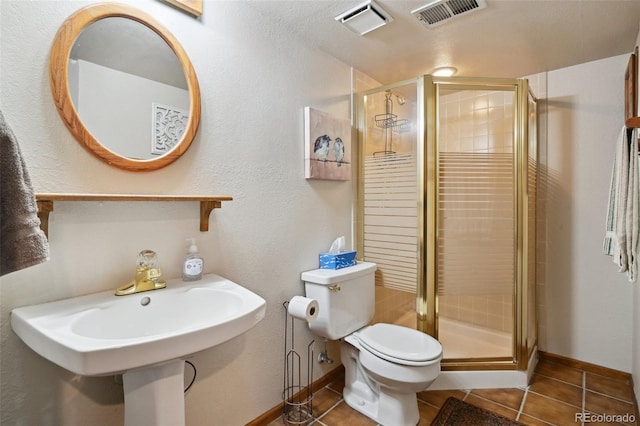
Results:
[44, 208]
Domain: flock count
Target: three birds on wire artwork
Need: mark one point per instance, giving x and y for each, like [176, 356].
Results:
[327, 146]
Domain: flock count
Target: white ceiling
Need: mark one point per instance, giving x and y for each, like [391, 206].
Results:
[508, 38]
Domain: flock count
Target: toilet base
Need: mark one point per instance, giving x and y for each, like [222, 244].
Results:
[387, 408]
[381, 404]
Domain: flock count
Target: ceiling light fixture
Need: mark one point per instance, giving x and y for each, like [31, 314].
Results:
[444, 71]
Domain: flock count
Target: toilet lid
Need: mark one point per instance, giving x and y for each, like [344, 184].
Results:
[398, 343]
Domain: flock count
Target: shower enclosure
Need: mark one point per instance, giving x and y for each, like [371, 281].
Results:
[447, 209]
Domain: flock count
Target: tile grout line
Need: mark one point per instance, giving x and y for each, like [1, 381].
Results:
[606, 395]
[562, 401]
[524, 398]
[318, 419]
[560, 380]
[332, 390]
[496, 402]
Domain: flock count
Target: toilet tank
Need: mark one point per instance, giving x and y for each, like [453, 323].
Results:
[346, 298]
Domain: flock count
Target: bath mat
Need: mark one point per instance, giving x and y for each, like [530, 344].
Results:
[455, 412]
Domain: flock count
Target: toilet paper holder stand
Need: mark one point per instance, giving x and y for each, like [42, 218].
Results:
[296, 396]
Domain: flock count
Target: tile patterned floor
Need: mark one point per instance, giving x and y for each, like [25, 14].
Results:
[557, 395]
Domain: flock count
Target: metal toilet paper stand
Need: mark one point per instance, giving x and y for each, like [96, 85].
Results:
[296, 397]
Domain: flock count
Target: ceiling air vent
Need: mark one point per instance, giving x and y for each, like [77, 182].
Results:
[364, 18]
[440, 11]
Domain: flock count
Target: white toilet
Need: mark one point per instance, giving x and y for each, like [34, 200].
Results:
[385, 364]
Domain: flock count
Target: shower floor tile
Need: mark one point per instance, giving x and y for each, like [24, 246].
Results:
[560, 393]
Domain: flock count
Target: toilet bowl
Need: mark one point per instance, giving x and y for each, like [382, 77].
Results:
[385, 364]
[382, 378]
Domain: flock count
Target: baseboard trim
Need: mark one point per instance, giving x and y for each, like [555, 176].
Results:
[274, 413]
[586, 366]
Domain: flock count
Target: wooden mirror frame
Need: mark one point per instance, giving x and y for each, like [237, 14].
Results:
[58, 73]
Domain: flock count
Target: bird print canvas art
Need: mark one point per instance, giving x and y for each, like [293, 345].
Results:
[321, 147]
[327, 146]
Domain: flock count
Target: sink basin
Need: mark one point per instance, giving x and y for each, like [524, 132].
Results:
[144, 336]
[104, 334]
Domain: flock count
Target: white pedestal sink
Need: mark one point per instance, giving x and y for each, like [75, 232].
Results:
[156, 394]
[144, 336]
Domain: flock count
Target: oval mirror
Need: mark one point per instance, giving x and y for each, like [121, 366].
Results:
[124, 87]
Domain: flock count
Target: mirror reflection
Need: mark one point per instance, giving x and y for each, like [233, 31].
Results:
[124, 87]
[129, 88]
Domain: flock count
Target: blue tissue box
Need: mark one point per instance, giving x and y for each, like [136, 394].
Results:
[337, 260]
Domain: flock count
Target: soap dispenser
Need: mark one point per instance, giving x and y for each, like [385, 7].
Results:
[193, 264]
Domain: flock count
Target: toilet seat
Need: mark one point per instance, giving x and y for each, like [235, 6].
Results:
[400, 345]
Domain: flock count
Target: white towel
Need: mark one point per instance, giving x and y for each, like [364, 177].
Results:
[620, 256]
[617, 201]
[632, 213]
[623, 222]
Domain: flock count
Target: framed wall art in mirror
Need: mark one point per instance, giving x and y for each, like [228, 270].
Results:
[168, 127]
[194, 7]
[110, 66]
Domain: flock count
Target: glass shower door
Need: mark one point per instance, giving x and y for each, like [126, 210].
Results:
[476, 231]
[447, 209]
[390, 199]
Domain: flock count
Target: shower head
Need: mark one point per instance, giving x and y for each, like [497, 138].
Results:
[401, 99]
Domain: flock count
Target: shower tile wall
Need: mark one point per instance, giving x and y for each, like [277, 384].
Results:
[395, 307]
[492, 311]
[477, 122]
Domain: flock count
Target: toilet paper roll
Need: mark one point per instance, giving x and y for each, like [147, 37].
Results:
[303, 308]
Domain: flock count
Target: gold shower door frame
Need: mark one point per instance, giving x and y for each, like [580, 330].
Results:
[524, 317]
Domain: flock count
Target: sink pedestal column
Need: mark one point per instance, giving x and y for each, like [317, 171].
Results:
[154, 395]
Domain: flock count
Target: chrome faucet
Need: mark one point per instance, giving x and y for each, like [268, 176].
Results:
[147, 275]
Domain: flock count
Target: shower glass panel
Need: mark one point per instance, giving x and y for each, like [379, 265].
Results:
[532, 219]
[476, 222]
[390, 200]
[446, 195]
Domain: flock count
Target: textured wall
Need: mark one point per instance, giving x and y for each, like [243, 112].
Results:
[636, 315]
[588, 313]
[255, 81]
